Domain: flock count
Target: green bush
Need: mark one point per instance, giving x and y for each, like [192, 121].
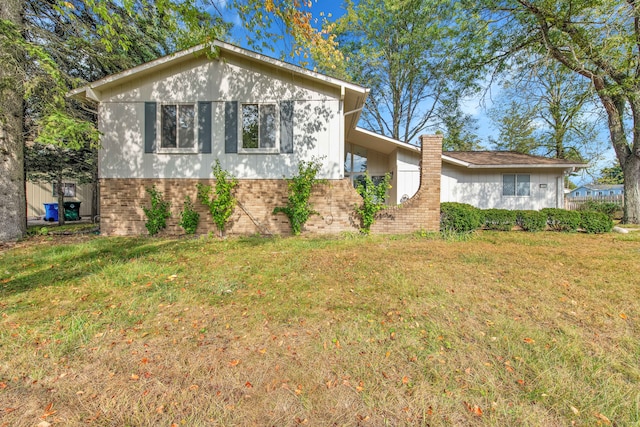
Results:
[608, 208]
[373, 198]
[531, 220]
[189, 218]
[459, 217]
[220, 200]
[158, 213]
[561, 219]
[499, 219]
[298, 208]
[595, 222]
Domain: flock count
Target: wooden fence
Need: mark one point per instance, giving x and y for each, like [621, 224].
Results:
[574, 203]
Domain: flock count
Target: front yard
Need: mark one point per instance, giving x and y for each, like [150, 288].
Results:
[527, 329]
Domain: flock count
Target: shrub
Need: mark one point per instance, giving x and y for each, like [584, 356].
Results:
[499, 219]
[595, 222]
[373, 197]
[561, 219]
[221, 206]
[158, 213]
[298, 208]
[459, 217]
[608, 208]
[189, 218]
[531, 220]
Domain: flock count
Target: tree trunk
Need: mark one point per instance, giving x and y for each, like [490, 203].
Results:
[95, 189]
[13, 210]
[60, 195]
[631, 171]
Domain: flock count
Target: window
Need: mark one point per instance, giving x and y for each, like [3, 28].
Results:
[577, 194]
[516, 185]
[611, 192]
[68, 189]
[355, 159]
[177, 127]
[259, 127]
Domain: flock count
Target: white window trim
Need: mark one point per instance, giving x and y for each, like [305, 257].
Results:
[274, 150]
[516, 183]
[177, 150]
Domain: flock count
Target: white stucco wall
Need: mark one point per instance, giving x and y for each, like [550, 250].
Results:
[483, 188]
[317, 121]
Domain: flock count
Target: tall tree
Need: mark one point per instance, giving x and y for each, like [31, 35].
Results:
[13, 222]
[611, 175]
[546, 110]
[404, 54]
[598, 40]
[459, 128]
[515, 123]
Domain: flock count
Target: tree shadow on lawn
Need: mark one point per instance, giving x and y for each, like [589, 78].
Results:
[60, 263]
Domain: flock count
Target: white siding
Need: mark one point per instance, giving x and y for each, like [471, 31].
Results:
[317, 121]
[408, 172]
[483, 188]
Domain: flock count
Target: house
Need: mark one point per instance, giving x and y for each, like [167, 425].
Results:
[504, 180]
[597, 191]
[166, 122]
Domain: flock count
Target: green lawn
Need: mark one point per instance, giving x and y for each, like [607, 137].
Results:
[503, 329]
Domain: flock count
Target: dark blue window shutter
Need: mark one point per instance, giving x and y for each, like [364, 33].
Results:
[286, 127]
[231, 127]
[150, 119]
[204, 127]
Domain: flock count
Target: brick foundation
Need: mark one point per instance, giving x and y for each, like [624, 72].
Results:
[121, 202]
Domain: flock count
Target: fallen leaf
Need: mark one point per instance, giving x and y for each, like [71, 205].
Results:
[529, 340]
[234, 362]
[3, 385]
[475, 409]
[602, 418]
[405, 379]
[521, 382]
[248, 385]
[134, 377]
[575, 410]
[623, 316]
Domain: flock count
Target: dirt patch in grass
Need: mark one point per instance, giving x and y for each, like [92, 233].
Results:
[502, 329]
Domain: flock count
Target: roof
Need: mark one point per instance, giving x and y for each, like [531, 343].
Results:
[352, 94]
[505, 159]
[383, 144]
[601, 187]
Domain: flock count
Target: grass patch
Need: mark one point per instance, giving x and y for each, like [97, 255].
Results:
[497, 329]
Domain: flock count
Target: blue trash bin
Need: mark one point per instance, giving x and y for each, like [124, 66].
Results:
[51, 212]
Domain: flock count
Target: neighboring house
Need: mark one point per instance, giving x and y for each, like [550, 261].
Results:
[505, 180]
[165, 123]
[39, 193]
[597, 190]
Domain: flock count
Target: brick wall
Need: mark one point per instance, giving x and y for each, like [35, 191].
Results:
[422, 211]
[121, 202]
